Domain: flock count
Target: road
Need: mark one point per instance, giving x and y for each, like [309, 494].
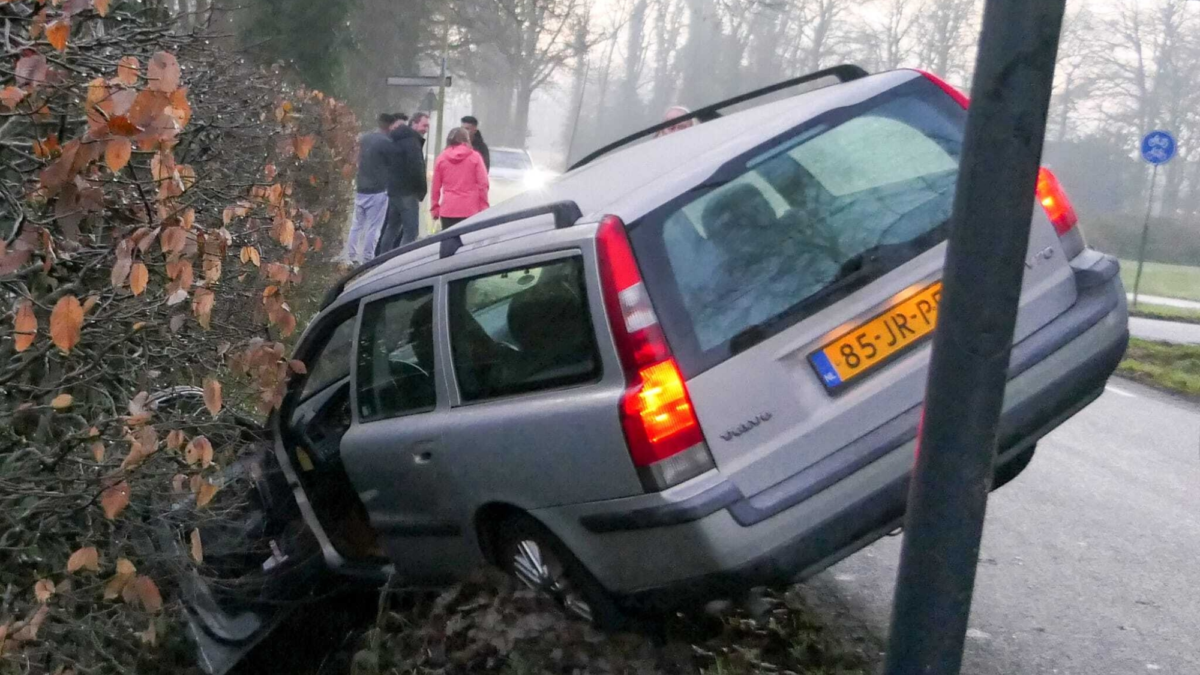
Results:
[1165, 331]
[1090, 561]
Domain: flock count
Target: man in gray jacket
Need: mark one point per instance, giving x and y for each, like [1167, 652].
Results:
[376, 164]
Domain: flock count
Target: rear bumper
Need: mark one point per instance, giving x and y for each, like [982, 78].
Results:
[714, 541]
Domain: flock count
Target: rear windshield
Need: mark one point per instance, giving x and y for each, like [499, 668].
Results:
[508, 159]
[801, 222]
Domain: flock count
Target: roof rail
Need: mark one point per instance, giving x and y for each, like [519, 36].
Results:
[844, 73]
[566, 214]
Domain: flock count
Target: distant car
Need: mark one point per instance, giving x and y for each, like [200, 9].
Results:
[689, 367]
[513, 172]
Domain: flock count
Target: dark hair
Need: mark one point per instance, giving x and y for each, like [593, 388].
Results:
[417, 117]
[400, 117]
[386, 119]
[470, 119]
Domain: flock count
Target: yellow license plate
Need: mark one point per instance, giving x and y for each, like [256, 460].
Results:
[879, 340]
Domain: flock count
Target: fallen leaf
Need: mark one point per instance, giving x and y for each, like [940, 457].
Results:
[138, 278]
[43, 589]
[114, 500]
[163, 72]
[86, 558]
[98, 451]
[175, 439]
[114, 586]
[117, 154]
[197, 547]
[205, 494]
[62, 401]
[90, 303]
[212, 395]
[58, 32]
[304, 145]
[144, 592]
[24, 326]
[66, 322]
[199, 451]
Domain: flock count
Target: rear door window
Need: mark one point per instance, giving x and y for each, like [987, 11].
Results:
[396, 367]
[332, 363]
[522, 330]
[796, 225]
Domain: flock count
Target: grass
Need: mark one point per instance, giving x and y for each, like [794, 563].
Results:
[1171, 367]
[1170, 281]
[1165, 313]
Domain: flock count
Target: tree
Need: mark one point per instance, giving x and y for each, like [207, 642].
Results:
[885, 35]
[311, 36]
[946, 36]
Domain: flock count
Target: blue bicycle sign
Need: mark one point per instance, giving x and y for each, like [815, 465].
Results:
[1158, 147]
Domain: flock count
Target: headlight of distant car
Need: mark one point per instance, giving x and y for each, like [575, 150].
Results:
[535, 179]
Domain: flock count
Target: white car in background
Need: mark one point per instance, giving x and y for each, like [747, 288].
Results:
[513, 172]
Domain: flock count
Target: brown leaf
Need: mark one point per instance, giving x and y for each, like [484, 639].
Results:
[205, 493]
[24, 326]
[58, 32]
[31, 70]
[117, 154]
[298, 367]
[59, 173]
[62, 401]
[117, 584]
[30, 631]
[114, 500]
[66, 322]
[199, 451]
[212, 269]
[197, 547]
[304, 145]
[144, 592]
[188, 219]
[101, 8]
[212, 395]
[183, 109]
[175, 439]
[251, 255]
[125, 567]
[202, 307]
[163, 72]
[149, 636]
[10, 96]
[138, 278]
[90, 302]
[98, 451]
[173, 240]
[43, 589]
[86, 558]
[122, 126]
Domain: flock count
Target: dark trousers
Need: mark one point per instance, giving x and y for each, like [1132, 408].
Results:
[450, 222]
[403, 223]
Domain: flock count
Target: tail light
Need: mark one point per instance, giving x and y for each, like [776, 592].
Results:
[1054, 200]
[660, 425]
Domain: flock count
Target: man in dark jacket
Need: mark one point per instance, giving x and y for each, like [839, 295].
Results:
[375, 160]
[471, 124]
[407, 186]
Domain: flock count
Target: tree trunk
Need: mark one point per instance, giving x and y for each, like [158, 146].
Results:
[629, 101]
[520, 126]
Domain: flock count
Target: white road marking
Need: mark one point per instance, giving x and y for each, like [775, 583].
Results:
[1119, 392]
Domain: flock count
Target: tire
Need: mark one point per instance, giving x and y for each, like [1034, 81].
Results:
[528, 552]
[1013, 468]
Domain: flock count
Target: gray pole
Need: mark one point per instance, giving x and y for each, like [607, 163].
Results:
[989, 238]
[1137, 280]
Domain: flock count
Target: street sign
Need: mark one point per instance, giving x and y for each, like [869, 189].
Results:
[418, 81]
[1158, 147]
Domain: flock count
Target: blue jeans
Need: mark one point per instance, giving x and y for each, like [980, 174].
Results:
[403, 223]
[370, 212]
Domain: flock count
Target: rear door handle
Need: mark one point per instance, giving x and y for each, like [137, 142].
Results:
[422, 457]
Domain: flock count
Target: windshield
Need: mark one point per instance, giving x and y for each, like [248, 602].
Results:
[511, 159]
[791, 228]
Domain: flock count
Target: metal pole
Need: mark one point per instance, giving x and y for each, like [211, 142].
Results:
[441, 111]
[989, 239]
[587, 63]
[1137, 280]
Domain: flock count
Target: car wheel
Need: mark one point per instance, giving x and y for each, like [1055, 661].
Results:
[535, 557]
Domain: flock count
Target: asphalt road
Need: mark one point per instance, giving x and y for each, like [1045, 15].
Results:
[1091, 558]
[1164, 331]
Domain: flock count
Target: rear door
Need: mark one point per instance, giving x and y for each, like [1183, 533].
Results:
[798, 286]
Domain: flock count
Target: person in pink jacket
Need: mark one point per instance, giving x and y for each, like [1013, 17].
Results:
[460, 181]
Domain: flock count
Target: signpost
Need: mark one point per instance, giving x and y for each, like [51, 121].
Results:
[1158, 148]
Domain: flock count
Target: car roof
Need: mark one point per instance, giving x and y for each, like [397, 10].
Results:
[630, 182]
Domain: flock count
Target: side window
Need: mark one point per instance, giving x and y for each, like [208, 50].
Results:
[522, 330]
[396, 357]
[332, 362]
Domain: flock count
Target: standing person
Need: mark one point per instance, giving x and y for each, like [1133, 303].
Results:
[407, 186]
[375, 159]
[460, 181]
[472, 127]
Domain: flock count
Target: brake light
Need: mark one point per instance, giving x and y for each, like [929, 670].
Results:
[1053, 199]
[660, 425]
[950, 89]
